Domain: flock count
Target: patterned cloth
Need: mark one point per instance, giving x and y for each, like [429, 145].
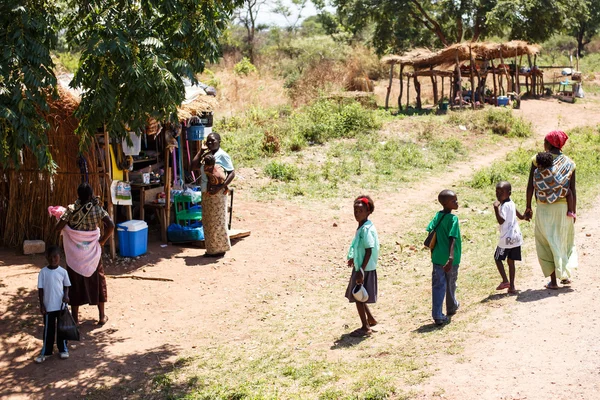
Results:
[552, 184]
[80, 219]
[214, 220]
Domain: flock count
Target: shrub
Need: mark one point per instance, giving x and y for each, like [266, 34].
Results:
[281, 171]
[244, 67]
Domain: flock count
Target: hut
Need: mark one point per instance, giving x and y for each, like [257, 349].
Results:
[451, 63]
[26, 192]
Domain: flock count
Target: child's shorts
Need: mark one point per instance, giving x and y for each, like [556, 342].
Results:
[512, 254]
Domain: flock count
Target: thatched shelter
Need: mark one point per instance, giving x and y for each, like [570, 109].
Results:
[26, 193]
[448, 63]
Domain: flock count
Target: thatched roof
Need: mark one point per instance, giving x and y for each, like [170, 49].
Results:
[447, 57]
[408, 57]
[197, 105]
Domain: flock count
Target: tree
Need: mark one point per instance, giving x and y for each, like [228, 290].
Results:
[291, 14]
[401, 24]
[586, 23]
[29, 30]
[135, 56]
[247, 15]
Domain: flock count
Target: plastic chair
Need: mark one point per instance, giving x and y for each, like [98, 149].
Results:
[186, 211]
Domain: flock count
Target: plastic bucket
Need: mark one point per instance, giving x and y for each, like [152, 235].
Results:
[195, 132]
[502, 101]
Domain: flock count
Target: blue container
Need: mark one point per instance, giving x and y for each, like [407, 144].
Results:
[195, 132]
[502, 101]
[179, 234]
[133, 238]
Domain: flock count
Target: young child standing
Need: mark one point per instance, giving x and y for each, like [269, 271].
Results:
[362, 256]
[509, 244]
[445, 257]
[53, 290]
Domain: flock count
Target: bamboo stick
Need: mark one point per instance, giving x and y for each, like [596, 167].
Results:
[108, 182]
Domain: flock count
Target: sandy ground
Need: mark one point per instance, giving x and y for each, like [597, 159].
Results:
[544, 347]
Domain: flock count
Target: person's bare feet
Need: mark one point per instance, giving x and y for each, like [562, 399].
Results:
[103, 321]
[372, 322]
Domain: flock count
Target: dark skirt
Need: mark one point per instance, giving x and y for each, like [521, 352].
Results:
[370, 283]
[91, 290]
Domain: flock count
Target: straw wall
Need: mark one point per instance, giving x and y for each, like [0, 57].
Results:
[25, 194]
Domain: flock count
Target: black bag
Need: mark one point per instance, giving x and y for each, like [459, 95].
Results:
[66, 324]
[431, 239]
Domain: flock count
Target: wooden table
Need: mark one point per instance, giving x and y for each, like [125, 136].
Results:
[142, 188]
[161, 213]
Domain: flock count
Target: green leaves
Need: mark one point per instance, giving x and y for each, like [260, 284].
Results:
[135, 56]
[26, 79]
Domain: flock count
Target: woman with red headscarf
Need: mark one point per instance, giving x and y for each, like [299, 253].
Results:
[554, 230]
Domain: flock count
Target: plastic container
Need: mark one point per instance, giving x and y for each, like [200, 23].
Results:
[502, 101]
[133, 238]
[195, 132]
[133, 150]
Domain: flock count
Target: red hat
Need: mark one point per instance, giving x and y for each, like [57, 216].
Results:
[557, 139]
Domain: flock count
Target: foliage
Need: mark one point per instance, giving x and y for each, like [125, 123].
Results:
[134, 58]
[441, 23]
[281, 171]
[244, 67]
[29, 30]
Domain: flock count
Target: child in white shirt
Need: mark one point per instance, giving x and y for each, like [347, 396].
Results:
[509, 244]
[53, 290]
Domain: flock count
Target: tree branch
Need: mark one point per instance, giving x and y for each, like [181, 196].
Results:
[437, 29]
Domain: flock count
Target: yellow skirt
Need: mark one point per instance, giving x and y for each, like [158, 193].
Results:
[555, 240]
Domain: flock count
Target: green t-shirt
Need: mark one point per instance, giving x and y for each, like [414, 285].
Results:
[448, 228]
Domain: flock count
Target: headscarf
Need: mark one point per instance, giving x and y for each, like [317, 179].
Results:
[557, 139]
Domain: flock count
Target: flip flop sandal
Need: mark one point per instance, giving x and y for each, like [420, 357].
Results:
[503, 285]
[565, 281]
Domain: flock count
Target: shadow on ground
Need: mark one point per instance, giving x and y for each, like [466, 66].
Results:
[90, 370]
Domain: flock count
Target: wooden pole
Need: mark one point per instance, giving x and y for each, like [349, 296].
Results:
[460, 96]
[472, 62]
[418, 90]
[442, 98]
[167, 186]
[407, 91]
[494, 79]
[533, 76]
[389, 88]
[108, 183]
[401, 87]
[128, 208]
[434, 87]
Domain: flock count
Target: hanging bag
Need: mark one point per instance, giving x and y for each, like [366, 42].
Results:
[359, 291]
[66, 324]
[431, 239]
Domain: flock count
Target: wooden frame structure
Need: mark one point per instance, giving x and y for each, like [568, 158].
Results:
[448, 63]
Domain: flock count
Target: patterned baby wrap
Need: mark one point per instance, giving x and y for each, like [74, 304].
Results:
[553, 183]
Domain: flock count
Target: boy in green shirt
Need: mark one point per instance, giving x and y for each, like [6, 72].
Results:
[445, 257]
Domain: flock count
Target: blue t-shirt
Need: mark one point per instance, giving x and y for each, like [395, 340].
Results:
[365, 238]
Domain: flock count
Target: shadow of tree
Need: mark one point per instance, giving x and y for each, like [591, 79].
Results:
[90, 369]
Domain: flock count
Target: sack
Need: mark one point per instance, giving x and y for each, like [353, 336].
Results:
[66, 324]
[431, 240]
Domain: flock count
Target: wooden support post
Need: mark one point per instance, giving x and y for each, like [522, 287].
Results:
[495, 85]
[401, 87]
[167, 186]
[418, 90]
[460, 95]
[407, 91]
[108, 183]
[534, 76]
[389, 88]
[128, 212]
[434, 87]
[442, 97]
[472, 62]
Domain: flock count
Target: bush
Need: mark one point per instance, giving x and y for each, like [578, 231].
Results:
[281, 171]
[244, 67]
[502, 121]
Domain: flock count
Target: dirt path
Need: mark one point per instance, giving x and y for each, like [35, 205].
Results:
[152, 323]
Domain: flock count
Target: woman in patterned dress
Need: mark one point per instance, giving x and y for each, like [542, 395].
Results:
[214, 198]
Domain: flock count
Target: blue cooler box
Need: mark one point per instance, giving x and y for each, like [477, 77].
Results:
[133, 238]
